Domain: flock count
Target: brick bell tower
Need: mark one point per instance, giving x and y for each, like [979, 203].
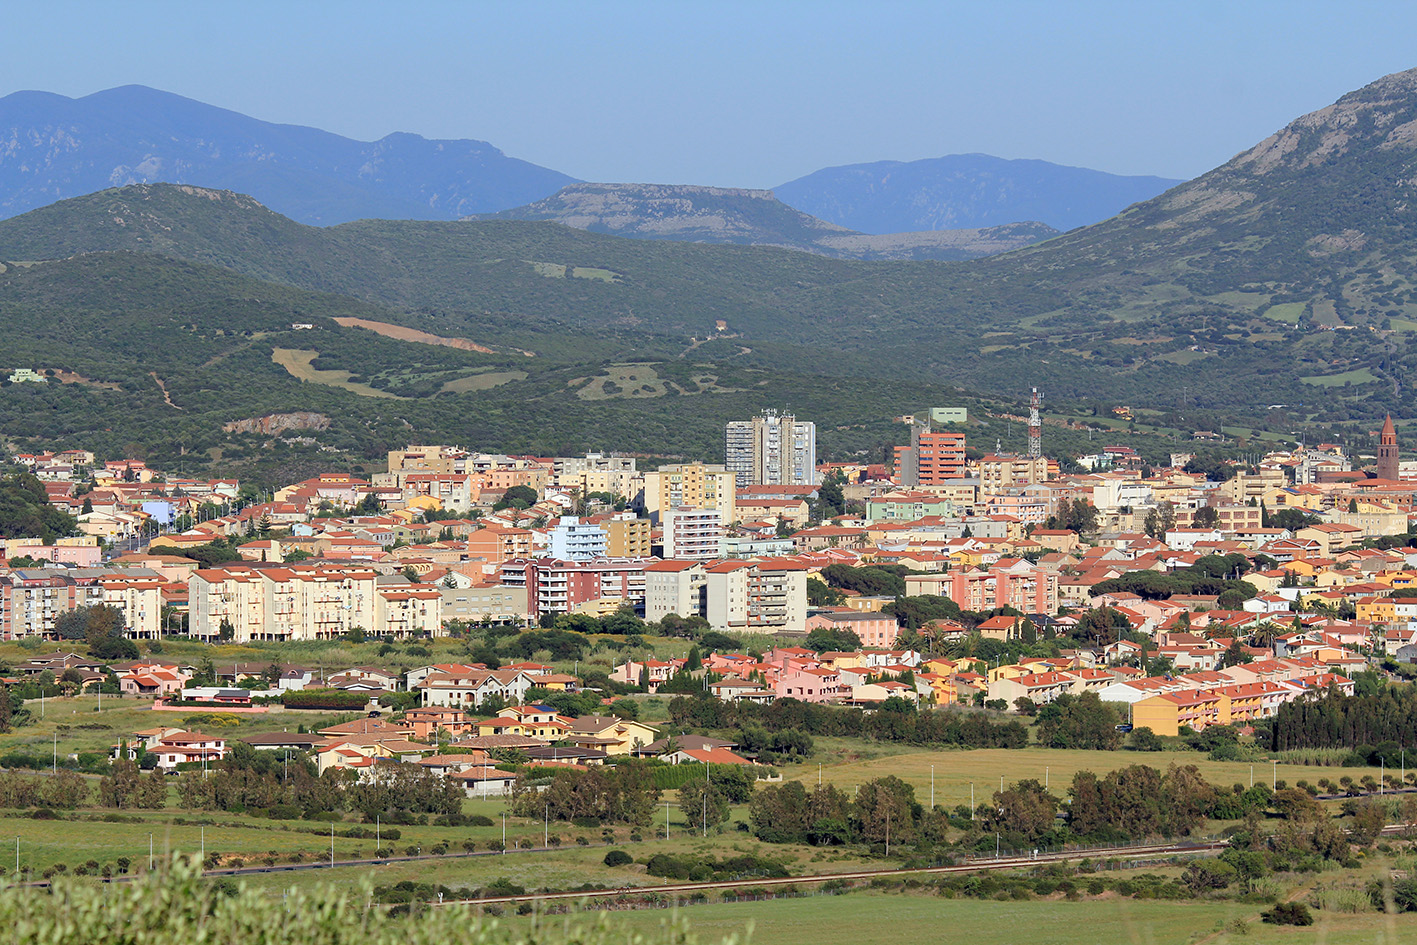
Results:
[1387, 451]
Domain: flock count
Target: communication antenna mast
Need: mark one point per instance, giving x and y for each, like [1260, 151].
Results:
[1035, 426]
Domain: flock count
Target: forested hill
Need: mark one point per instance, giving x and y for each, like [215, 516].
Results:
[754, 218]
[1285, 276]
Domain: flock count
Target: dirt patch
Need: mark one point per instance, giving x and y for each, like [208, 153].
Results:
[296, 361]
[400, 333]
[69, 377]
[167, 398]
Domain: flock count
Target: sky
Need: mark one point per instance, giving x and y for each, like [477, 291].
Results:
[741, 94]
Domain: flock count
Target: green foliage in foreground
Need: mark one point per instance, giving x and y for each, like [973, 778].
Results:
[178, 908]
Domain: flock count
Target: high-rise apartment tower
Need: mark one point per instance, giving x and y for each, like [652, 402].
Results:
[772, 450]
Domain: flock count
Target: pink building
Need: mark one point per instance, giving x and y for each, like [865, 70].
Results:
[152, 679]
[1008, 583]
[810, 685]
[874, 630]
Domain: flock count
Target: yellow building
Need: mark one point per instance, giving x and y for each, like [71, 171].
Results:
[627, 538]
[691, 485]
[1197, 709]
[1377, 609]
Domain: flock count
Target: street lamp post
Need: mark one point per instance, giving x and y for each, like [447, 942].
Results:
[504, 833]
[932, 787]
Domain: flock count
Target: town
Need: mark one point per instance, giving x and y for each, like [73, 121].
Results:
[1191, 598]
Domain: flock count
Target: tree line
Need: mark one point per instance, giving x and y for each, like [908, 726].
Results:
[1335, 720]
[896, 721]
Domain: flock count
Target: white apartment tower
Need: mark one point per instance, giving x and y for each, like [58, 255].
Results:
[772, 450]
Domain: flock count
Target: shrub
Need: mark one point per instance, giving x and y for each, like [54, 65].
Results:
[618, 858]
[1288, 913]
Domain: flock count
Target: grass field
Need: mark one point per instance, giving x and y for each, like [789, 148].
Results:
[486, 381]
[296, 362]
[873, 918]
[954, 771]
[1289, 312]
[1360, 376]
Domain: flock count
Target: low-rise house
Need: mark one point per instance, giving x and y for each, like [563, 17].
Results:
[472, 688]
[704, 756]
[153, 680]
[485, 781]
[182, 747]
[284, 741]
[532, 721]
[612, 735]
[810, 684]
[427, 722]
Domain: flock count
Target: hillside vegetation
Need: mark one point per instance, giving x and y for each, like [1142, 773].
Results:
[1277, 290]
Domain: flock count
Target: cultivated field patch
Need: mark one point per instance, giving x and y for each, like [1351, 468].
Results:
[296, 361]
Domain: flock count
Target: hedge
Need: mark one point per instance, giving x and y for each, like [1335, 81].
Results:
[336, 699]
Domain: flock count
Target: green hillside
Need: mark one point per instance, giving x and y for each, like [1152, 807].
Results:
[155, 357]
[1287, 277]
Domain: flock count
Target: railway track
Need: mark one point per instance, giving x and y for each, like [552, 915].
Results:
[969, 866]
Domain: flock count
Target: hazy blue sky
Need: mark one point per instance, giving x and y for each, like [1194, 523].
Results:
[740, 94]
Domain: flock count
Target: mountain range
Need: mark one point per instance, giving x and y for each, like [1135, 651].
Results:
[1274, 293]
[53, 147]
[964, 191]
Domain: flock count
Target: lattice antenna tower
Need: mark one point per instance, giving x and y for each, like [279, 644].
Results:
[1035, 425]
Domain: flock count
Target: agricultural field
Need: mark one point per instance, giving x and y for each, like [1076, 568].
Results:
[877, 918]
[850, 762]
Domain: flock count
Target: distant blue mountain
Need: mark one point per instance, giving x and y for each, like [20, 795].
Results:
[53, 147]
[962, 191]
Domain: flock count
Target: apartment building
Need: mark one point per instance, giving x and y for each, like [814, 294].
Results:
[767, 596]
[575, 540]
[494, 602]
[554, 586]
[931, 459]
[33, 599]
[693, 485]
[1001, 472]
[696, 534]
[772, 449]
[1009, 583]
[627, 537]
[674, 587]
[300, 602]
[598, 472]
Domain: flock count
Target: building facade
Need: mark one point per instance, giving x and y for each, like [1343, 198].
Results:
[931, 459]
[772, 449]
